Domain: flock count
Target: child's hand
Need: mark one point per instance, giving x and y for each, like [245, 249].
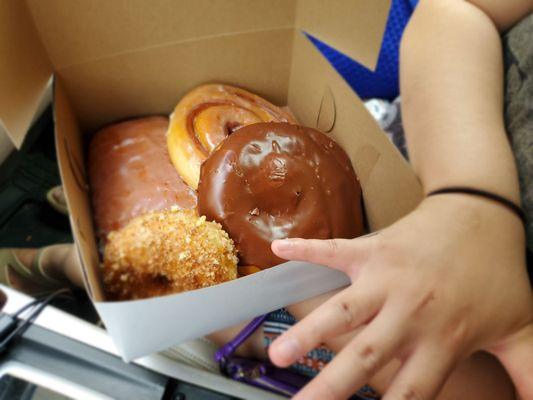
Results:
[443, 282]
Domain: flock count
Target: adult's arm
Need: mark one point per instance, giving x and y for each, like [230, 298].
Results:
[448, 279]
[452, 98]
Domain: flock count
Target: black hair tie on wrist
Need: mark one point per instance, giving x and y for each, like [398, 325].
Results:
[517, 210]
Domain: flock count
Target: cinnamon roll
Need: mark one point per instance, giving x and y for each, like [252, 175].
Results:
[205, 116]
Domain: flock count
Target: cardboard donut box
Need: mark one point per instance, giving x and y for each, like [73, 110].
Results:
[112, 60]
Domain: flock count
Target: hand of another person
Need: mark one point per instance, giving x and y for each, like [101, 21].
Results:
[443, 282]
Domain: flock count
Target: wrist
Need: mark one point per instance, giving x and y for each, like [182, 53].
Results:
[478, 166]
[475, 210]
[475, 192]
[472, 170]
[507, 188]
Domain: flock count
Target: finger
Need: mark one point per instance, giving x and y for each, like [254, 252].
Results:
[334, 253]
[342, 313]
[359, 360]
[423, 375]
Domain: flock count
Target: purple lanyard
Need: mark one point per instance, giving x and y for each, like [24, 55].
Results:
[261, 374]
[229, 348]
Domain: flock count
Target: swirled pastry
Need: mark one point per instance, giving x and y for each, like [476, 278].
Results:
[205, 116]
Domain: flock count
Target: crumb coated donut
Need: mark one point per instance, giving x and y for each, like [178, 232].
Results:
[165, 252]
[272, 181]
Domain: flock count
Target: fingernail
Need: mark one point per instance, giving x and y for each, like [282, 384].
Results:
[283, 244]
[288, 349]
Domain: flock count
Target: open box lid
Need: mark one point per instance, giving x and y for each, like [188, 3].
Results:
[24, 70]
[37, 38]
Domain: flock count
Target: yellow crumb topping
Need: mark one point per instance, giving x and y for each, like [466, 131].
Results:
[167, 252]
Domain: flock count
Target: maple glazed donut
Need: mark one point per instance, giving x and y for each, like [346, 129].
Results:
[276, 180]
[131, 174]
[205, 116]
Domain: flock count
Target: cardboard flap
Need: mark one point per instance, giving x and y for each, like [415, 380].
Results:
[75, 32]
[354, 27]
[158, 77]
[24, 69]
[184, 316]
[69, 150]
[390, 187]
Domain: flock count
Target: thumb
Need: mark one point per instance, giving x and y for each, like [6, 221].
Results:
[516, 354]
[339, 254]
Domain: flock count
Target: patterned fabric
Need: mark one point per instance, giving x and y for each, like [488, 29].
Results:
[313, 362]
[278, 322]
[389, 117]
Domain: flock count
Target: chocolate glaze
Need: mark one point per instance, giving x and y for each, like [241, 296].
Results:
[271, 181]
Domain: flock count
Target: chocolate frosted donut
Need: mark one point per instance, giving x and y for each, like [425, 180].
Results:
[271, 181]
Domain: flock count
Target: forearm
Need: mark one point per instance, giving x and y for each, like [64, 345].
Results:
[452, 93]
[452, 99]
